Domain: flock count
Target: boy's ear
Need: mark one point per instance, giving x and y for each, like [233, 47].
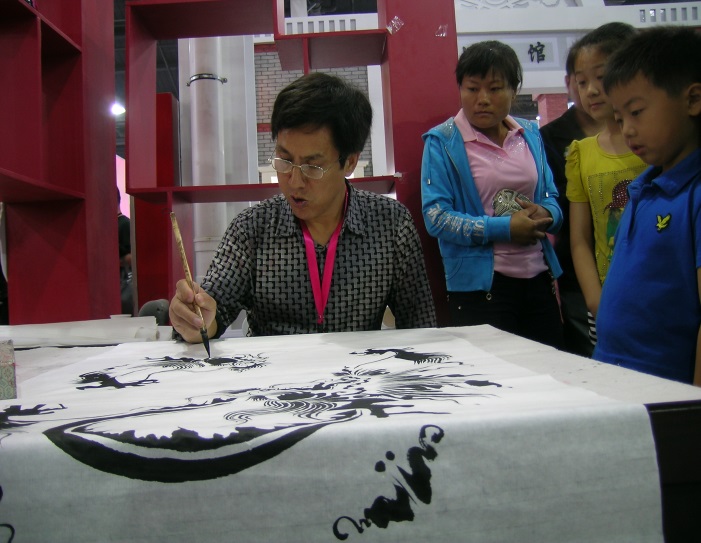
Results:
[693, 94]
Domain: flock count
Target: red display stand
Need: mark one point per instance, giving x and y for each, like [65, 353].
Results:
[57, 162]
[420, 91]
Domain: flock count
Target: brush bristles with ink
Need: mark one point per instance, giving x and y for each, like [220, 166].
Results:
[188, 278]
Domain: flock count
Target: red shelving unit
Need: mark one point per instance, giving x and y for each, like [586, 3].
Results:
[57, 165]
[241, 193]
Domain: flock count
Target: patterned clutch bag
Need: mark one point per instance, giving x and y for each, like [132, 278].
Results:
[504, 202]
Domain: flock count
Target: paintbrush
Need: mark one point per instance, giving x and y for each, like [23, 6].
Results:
[188, 278]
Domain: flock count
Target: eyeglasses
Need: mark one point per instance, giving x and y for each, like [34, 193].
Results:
[280, 165]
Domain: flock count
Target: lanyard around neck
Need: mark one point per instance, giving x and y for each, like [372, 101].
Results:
[321, 289]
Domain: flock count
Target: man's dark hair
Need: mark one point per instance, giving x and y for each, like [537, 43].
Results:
[667, 56]
[319, 100]
[482, 57]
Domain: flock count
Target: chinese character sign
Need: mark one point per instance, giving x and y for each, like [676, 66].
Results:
[537, 52]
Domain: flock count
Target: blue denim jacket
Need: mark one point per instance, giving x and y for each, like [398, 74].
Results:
[453, 210]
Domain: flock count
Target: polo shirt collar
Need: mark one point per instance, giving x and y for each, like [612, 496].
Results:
[673, 181]
[469, 133]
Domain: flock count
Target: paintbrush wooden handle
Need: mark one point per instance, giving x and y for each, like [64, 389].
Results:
[183, 258]
[188, 278]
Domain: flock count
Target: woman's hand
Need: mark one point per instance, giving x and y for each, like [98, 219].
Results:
[529, 225]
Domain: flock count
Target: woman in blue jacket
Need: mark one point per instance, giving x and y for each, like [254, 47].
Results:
[489, 197]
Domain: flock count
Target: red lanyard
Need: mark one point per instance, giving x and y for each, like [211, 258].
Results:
[321, 290]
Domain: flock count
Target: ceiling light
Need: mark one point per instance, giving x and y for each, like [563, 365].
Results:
[117, 109]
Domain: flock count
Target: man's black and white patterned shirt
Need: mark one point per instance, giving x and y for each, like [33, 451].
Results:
[261, 266]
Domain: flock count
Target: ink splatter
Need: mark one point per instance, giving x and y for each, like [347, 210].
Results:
[416, 486]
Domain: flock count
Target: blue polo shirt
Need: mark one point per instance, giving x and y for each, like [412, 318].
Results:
[649, 314]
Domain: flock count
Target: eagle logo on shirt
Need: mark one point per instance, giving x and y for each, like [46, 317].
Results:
[663, 222]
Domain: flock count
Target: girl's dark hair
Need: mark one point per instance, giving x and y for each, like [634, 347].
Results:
[316, 100]
[606, 38]
[480, 58]
[667, 56]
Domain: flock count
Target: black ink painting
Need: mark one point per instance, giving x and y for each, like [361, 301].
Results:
[235, 429]
[412, 435]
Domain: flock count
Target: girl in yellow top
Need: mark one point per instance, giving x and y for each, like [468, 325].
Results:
[598, 168]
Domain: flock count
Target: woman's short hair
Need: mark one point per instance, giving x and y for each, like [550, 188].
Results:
[490, 56]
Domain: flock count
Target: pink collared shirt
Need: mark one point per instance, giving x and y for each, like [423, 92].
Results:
[508, 167]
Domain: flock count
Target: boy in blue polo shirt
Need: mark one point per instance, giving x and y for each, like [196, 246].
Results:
[649, 318]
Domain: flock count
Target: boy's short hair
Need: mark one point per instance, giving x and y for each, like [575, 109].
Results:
[667, 56]
[482, 57]
[322, 100]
